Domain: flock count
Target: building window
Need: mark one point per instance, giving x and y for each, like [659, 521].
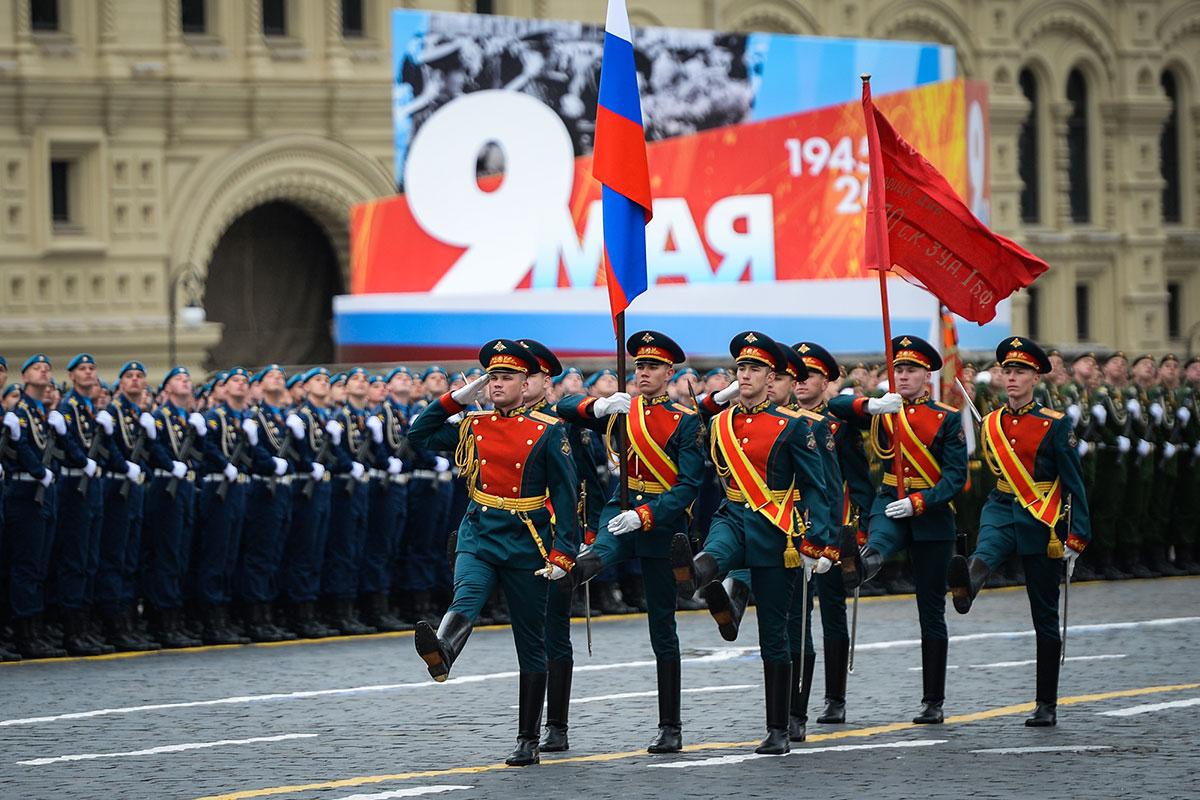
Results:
[274, 17]
[1174, 323]
[1169, 149]
[192, 16]
[352, 19]
[43, 15]
[485, 7]
[1033, 313]
[1083, 312]
[61, 172]
[1027, 152]
[1079, 187]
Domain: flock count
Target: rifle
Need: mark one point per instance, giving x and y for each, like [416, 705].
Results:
[285, 450]
[235, 459]
[139, 447]
[362, 455]
[186, 452]
[322, 455]
[96, 451]
[39, 496]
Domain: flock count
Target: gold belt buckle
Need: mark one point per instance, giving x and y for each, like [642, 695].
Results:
[501, 502]
[641, 485]
[907, 484]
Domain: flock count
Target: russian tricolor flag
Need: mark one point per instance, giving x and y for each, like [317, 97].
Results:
[619, 163]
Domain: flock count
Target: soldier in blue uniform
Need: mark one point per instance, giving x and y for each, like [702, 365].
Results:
[776, 495]
[518, 465]
[1033, 451]
[933, 459]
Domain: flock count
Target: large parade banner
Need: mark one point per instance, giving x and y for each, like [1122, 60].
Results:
[758, 168]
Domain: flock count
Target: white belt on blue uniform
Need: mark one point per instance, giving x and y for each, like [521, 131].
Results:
[384, 475]
[25, 476]
[220, 476]
[166, 473]
[282, 480]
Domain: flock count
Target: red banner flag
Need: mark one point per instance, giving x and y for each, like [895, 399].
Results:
[916, 221]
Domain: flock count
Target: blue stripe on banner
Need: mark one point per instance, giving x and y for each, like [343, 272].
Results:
[929, 67]
[618, 79]
[625, 241]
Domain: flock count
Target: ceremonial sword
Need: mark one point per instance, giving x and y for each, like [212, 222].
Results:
[587, 586]
[853, 612]
[1067, 569]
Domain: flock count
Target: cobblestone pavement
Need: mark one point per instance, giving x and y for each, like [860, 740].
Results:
[359, 718]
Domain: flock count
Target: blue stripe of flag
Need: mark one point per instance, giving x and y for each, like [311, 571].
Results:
[625, 241]
[618, 79]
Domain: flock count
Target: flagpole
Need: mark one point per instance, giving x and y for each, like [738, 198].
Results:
[881, 247]
[622, 445]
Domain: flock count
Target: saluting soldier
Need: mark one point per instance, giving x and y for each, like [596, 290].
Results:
[518, 465]
[1033, 451]
[775, 518]
[928, 438]
[665, 468]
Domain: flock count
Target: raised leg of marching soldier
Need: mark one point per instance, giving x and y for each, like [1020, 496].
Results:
[266, 525]
[386, 518]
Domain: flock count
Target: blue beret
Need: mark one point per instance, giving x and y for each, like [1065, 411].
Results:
[557, 379]
[314, 372]
[591, 381]
[292, 381]
[173, 372]
[131, 365]
[686, 371]
[430, 370]
[262, 373]
[338, 378]
[220, 378]
[245, 373]
[572, 371]
[256, 377]
[82, 358]
[401, 370]
[3, 362]
[15, 387]
[717, 371]
[40, 358]
[358, 371]
[376, 379]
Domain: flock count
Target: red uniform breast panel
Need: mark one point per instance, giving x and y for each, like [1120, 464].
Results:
[503, 445]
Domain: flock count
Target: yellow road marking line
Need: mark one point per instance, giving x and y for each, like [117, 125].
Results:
[1002, 711]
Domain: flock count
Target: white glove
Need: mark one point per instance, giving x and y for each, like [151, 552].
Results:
[196, 420]
[453, 419]
[1196, 451]
[251, 428]
[890, 403]
[1083, 448]
[1183, 414]
[900, 509]
[356, 470]
[47, 478]
[318, 471]
[624, 522]
[295, 425]
[1073, 412]
[1168, 450]
[552, 572]
[1156, 412]
[178, 469]
[1, 471]
[618, 403]
[394, 465]
[1134, 407]
[105, 421]
[1143, 447]
[147, 423]
[725, 395]
[57, 422]
[824, 564]
[14, 425]
[334, 429]
[1100, 413]
[375, 426]
[281, 465]
[441, 464]
[1070, 555]
[471, 392]
[89, 468]
[983, 379]
[1123, 444]
[132, 471]
[231, 472]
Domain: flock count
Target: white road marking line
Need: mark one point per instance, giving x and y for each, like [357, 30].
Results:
[723, 654]
[416, 791]
[1147, 708]
[1029, 661]
[1007, 751]
[627, 695]
[837, 748]
[169, 748]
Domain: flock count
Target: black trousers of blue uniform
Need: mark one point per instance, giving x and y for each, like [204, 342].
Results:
[80, 519]
[29, 539]
[166, 542]
[218, 535]
[120, 542]
[386, 518]
[930, 559]
[264, 536]
[474, 582]
[418, 567]
[304, 553]
[343, 547]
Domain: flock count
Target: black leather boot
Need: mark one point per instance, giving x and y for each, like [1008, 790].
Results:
[75, 639]
[169, 630]
[587, 566]
[965, 577]
[848, 547]
[837, 655]
[119, 633]
[304, 622]
[347, 618]
[933, 676]
[690, 573]
[801, 688]
[529, 719]
[377, 615]
[1046, 713]
[216, 629]
[92, 630]
[864, 565]
[670, 726]
[777, 687]
[440, 649]
[727, 603]
[558, 705]
[29, 644]
[258, 628]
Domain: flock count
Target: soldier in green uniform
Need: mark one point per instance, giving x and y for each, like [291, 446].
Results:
[520, 527]
[1032, 450]
[1112, 462]
[1185, 512]
[1148, 417]
[1166, 401]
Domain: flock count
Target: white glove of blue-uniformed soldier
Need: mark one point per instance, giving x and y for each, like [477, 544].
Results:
[295, 425]
[147, 423]
[1156, 412]
[1133, 407]
[441, 464]
[231, 472]
[133, 471]
[728, 393]
[55, 418]
[1073, 412]
[899, 509]
[1183, 414]
[616, 403]
[1083, 448]
[1123, 444]
[375, 426]
[105, 421]
[334, 429]
[624, 522]
[551, 572]
[890, 403]
[394, 465]
[178, 469]
[468, 394]
[47, 478]
[1070, 556]
[1100, 413]
[1143, 447]
[14, 426]
[1168, 450]
[281, 465]
[318, 471]
[89, 467]
[251, 429]
[1196, 451]
[357, 470]
[196, 420]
